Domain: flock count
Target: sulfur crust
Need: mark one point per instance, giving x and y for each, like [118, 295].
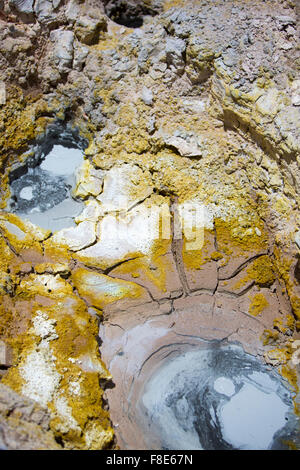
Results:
[258, 304]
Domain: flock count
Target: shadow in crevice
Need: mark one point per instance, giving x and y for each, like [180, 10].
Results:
[129, 13]
[297, 271]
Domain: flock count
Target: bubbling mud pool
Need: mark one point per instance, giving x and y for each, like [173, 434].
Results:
[41, 191]
[217, 397]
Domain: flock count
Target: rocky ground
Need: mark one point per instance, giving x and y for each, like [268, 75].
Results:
[180, 107]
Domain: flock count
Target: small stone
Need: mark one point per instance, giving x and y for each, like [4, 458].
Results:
[284, 21]
[285, 45]
[44, 11]
[151, 125]
[63, 48]
[184, 148]
[89, 181]
[23, 6]
[72, 11]
[257, 231]
[230, 59]
[80, 55]
[175, 48]
[296, 92]
[87, 29]
[147, 96]
[268, 104]
[296, 100]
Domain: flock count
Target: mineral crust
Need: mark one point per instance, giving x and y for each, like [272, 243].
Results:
[187, 114]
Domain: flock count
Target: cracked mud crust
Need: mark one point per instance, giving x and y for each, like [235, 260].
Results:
[173, 108]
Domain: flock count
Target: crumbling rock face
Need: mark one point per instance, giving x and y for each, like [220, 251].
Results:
[23, 424]
[188, 117]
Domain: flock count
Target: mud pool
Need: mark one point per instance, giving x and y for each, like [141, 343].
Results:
[43, 194]
[216, 397]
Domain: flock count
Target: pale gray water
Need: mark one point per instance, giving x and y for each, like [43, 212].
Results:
[62, 161]
[218, 397]
[43, 194]
[251, 418]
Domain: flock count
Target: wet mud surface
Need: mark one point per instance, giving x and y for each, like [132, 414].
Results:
[216, 397]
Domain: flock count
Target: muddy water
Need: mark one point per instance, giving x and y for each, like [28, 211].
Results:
[43, 194]
[218, 397]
